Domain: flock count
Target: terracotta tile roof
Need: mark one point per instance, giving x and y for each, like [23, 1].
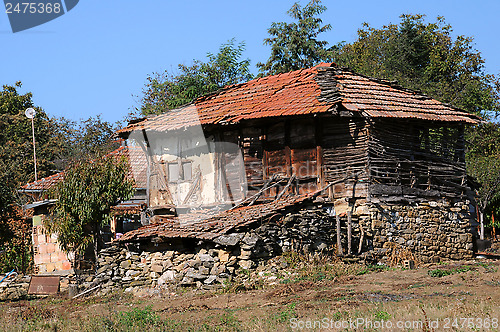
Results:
[379, 99]
[45, 183]
[298, 93]
[189, 226]
[135, 156]
[137, 162]
[286, 94]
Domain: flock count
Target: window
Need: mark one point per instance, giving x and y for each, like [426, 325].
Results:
[183, 173]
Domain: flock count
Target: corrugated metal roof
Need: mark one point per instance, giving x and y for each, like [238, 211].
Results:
[296, 93]
[196, 227]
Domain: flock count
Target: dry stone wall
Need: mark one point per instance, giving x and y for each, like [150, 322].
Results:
[208, 263]
[14, 289]
[433, 230]
[430, 230]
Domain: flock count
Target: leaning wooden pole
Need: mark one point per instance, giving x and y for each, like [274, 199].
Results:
[339, 236]
[349, 233]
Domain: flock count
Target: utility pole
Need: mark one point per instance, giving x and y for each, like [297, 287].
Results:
[30, 114]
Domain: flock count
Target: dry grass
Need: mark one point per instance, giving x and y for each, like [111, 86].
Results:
[316, 288]
[400, 254]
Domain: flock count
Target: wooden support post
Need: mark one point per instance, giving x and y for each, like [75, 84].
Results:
[339, 236]
[361, 238]
[349, 233]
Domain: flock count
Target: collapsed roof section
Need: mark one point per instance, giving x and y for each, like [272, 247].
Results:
[200, 225]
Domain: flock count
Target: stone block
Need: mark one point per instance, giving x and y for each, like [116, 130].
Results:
[157, 268]
[246, 264]
[166, 277]
[51, 267]
[66, 265]
[245, 254]
[210, 280]
[125, 264]
[223, 256]
[186, 281]
[205, 257]
[102, 269]
[204, 270]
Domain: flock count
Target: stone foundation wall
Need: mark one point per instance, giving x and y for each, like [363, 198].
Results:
[432, 230]
[207, 263]
[429, 230]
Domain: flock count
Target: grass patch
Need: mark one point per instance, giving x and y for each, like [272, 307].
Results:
[382, 315]
[241, 285]
[488, 267]
[438, 273]
[316, 268]
[379, 268]
[286, 314]
[138, 317]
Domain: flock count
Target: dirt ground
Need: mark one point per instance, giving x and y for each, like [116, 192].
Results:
[456, 296]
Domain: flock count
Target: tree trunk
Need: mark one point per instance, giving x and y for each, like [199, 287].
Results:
[96, 244]
[481, 222]
[76, 269]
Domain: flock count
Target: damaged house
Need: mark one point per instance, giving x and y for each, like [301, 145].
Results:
[312, 160]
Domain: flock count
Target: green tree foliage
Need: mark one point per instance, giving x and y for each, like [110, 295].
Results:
[84, 201]
[16, 145]
[483, 159]
[58, 141]
[295, 45]
[87, 139]
[17, 168]
[424, 56]
[165, 91]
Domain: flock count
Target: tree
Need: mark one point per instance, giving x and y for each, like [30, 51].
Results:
[17, 168]
[15, 242]
[426, 57]
[483, 159]
[58, 141]
[16, 147]
[84, 201]
[87, 139]
[165, 91]
[295, 45]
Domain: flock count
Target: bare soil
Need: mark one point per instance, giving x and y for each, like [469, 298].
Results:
[455, 296]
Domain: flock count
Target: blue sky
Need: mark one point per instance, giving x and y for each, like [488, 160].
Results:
[95, 58]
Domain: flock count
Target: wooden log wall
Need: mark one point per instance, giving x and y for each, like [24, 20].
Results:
[314, 150]
[415, 159]
[345, 152]
[304, 155]
[253, 152]
[231, 171]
